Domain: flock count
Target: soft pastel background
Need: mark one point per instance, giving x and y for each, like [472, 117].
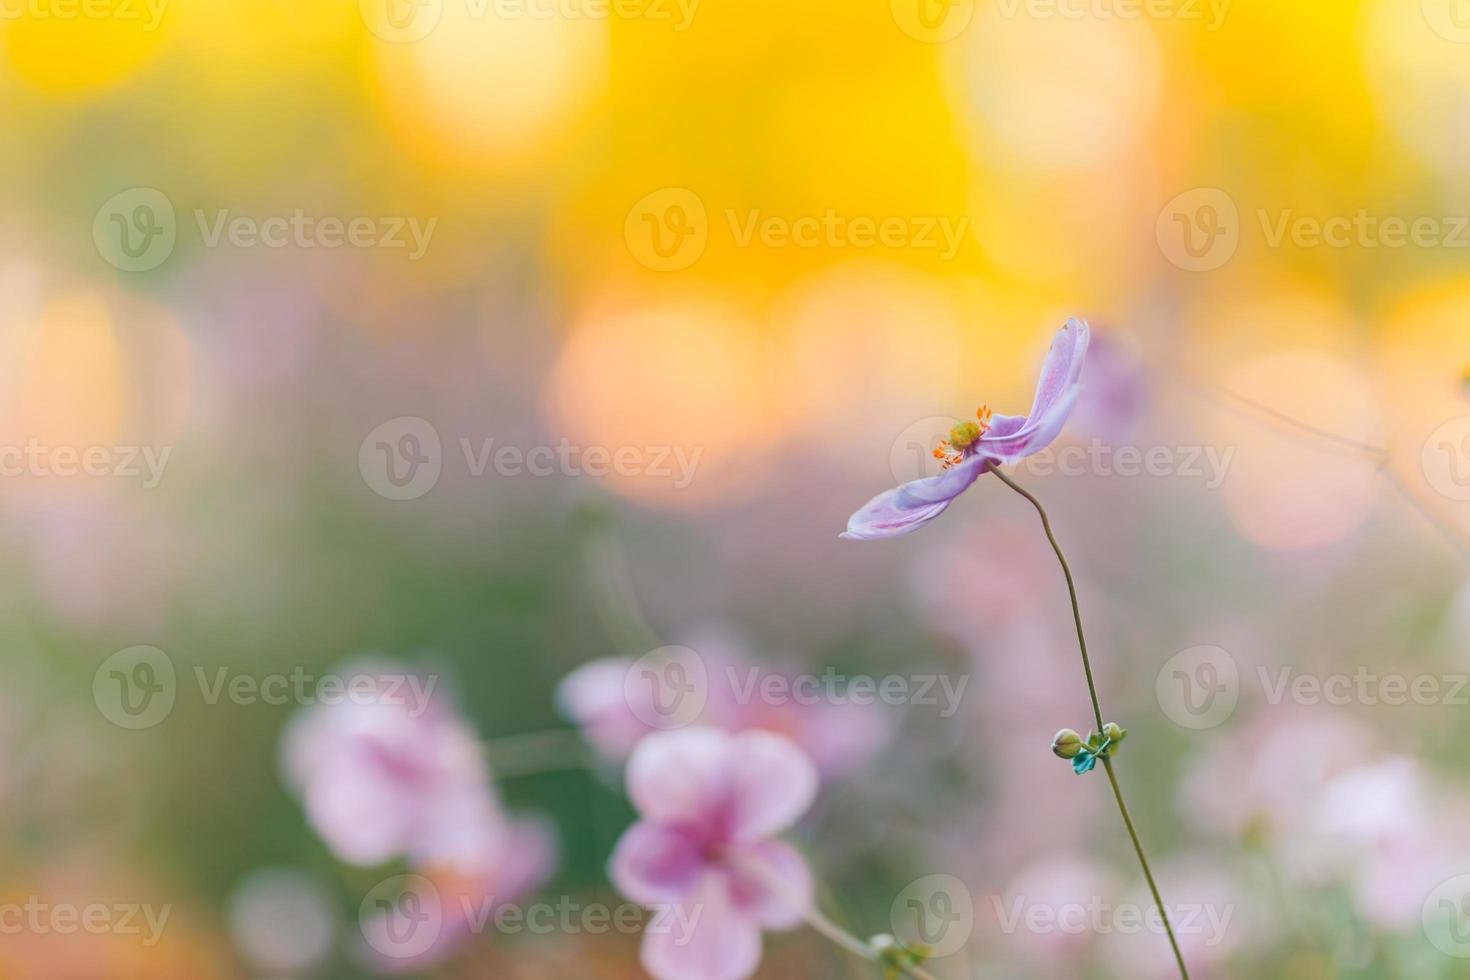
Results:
[1076, 150]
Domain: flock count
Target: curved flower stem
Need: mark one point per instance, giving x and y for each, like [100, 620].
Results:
[1107, 759]
[822, 925]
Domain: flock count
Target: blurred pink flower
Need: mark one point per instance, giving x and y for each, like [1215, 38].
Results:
[1113, 404]
[1268, 775]
[1218, 918]
[615, 714]
[711, 804]
[1067, 888]
[465, 904]
[1379, 827]
[392, 772]
[974, 446]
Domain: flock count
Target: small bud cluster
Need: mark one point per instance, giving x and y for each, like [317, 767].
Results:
[1084, 753]
[894, 957]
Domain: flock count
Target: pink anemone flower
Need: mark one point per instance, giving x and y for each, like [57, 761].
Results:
[974, 447]
[711, 804]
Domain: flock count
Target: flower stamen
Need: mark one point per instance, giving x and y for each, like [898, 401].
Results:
[963, 440]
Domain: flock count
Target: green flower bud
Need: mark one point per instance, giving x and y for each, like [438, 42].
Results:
[1067, 744]
[1116, 733]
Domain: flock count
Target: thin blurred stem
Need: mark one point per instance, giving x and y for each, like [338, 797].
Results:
[558, 750]
[822, 925]
[1071, 590]
[1098, 715]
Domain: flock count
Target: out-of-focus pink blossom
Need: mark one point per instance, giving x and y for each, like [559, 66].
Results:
[387, 770]
[1049, 913]
[392, 772]
[1212, 915]
[614, 714]
[711, 804]
[1268, 775]
[464, 905]
[1113, 403]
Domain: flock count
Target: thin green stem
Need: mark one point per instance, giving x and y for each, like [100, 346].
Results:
[1097, 713]
[820, 923]
[1071, 589]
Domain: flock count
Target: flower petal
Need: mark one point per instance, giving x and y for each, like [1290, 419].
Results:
[654, 864]
[909, 507]
[681, 777]
[773, 784]
[1011, 437]
[1036, 434]
[704, 938]
[779, 904]
[1063, 366]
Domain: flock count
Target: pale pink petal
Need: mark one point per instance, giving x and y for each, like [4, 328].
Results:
[706, 938]
[773, 784]
[909, 507]
[1038, 432]
[654, 864]
[681, 776]
[594, 696]
[771, 882]
[1063, 367]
